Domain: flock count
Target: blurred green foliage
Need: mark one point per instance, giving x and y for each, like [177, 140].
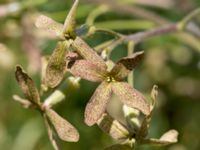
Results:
[170, 62]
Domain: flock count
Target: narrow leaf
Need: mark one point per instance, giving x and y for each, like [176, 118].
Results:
[51, 26]
[97, 104]
[113, 127]
[119, 147]
[130, 96]
[169, 137]
[27, 85]
[64, 129]
[87, 52]
[123, 67]
[56, 65]
[87, 70]
[69, 29]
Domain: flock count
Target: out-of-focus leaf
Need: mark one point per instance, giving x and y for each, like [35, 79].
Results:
[69, 29]
[56, 65]
[130, 96]
[126, 64]
[113, 127]
[64, 129]
[97, 104]
[119, 147]
[87, 52]
[27, 86]
[88, 70]
[51, 26]
[167, 138]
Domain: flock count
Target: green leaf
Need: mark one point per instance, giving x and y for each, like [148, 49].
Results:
[97, 104]
[169, 137]
[51, 26]
[56, 66]
[69, 29]
[87, 70]
[119, 147]
[113, 127]
[123, 67]
[87, 52]
[27, 86]
[64, 129]
[130, 96]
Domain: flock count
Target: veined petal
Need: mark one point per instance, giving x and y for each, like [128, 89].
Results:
[27, 85]
[48, 24]
[87, 52]
[143, 131]
[69, 28]
[56, 65]
[113, 127]
[123, 67]
[97, 104]
[64, 129]
[87, 70]
[169, 137]
[130, 96]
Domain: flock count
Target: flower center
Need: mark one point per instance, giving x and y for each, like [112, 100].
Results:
[110, 79]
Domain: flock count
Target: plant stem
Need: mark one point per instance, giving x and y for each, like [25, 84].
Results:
[182, 24]
[141, 36]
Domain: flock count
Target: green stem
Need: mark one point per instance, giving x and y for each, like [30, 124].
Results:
[95, 13]
[182, 24]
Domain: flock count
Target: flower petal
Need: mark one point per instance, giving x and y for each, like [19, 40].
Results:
[69, 29]
[64, 129]
[143, 131]
[113, 127]
[87, 52]
[87, 70]
[48, 24]
[130, 96]
[169, 137]
[28, 87]
[97, 104]
[56, 65]
[123, 67]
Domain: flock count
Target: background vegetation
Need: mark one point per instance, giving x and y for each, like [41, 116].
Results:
[172, 61]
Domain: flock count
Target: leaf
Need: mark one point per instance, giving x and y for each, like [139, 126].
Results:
[119, 147]
[169, 137]
[113, 127]
[97, 104]
[123, 67]
[48, 24]
[87, 52]
[27, 86]
[87, 70]
[130, 96]
[69, 29]
[56, 65]
[64, 129]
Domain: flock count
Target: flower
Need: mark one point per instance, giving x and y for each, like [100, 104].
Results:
[63, 128]
[93, 68]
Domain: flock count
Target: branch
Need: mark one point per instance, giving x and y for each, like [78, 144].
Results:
[141, 36]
